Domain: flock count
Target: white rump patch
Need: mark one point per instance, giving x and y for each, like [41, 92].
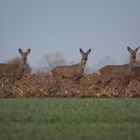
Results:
[50, 73]
[98, 72]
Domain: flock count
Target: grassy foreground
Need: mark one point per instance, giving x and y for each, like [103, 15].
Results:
[69, 119]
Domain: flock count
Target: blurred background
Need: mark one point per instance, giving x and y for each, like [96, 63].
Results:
[56, 29]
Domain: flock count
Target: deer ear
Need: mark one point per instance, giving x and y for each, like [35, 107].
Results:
[20, 51]
[28, 51]
[89, 51]
[129, 49]
[137, 49]
[81, 51]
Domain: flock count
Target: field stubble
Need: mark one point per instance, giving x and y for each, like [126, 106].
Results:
[41, 85]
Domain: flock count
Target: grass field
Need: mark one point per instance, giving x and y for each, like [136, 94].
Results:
[69, 119]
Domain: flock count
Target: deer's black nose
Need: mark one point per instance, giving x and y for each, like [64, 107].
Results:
[134, 56]
[25, 58]
[85, 58]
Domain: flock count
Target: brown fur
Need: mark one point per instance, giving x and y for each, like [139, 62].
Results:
[119, 72]
[14, 71]
[74, 72]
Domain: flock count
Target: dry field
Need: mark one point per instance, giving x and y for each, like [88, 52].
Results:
[41, 85]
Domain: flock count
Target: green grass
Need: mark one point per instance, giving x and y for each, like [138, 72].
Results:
[69, 119]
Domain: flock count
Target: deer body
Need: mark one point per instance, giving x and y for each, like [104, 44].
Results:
[14, 71]
[110, 72]
[73, 71]
[119, 72]
[136, 73]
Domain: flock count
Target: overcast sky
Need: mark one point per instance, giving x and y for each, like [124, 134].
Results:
[105, 26]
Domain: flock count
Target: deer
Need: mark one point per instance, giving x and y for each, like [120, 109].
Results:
[120, 72]
[74, 72]
[136, 73]
[14, 71]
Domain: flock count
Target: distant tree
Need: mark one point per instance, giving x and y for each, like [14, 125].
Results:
[88, 69]
[16, 60]
[52, 60]
[104, 61]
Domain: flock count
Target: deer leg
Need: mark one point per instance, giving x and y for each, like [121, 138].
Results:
[136, 79]
[107, 82]
[19, 77]
[126, 80]
[77, 80]
[12, 81]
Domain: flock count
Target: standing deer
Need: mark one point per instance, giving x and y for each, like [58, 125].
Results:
[120, 72]
[136, 73]
[132, 62]
[74, 72]
[14, 71]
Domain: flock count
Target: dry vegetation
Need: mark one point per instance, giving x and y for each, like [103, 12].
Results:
[41, 85]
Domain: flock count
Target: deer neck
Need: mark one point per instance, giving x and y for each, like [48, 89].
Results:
[131, 67]
[82, 64]
[132, 63]
[22, 62]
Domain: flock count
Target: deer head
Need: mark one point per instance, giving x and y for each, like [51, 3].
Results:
[84, 55]
[24, 54]
[133, 53]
